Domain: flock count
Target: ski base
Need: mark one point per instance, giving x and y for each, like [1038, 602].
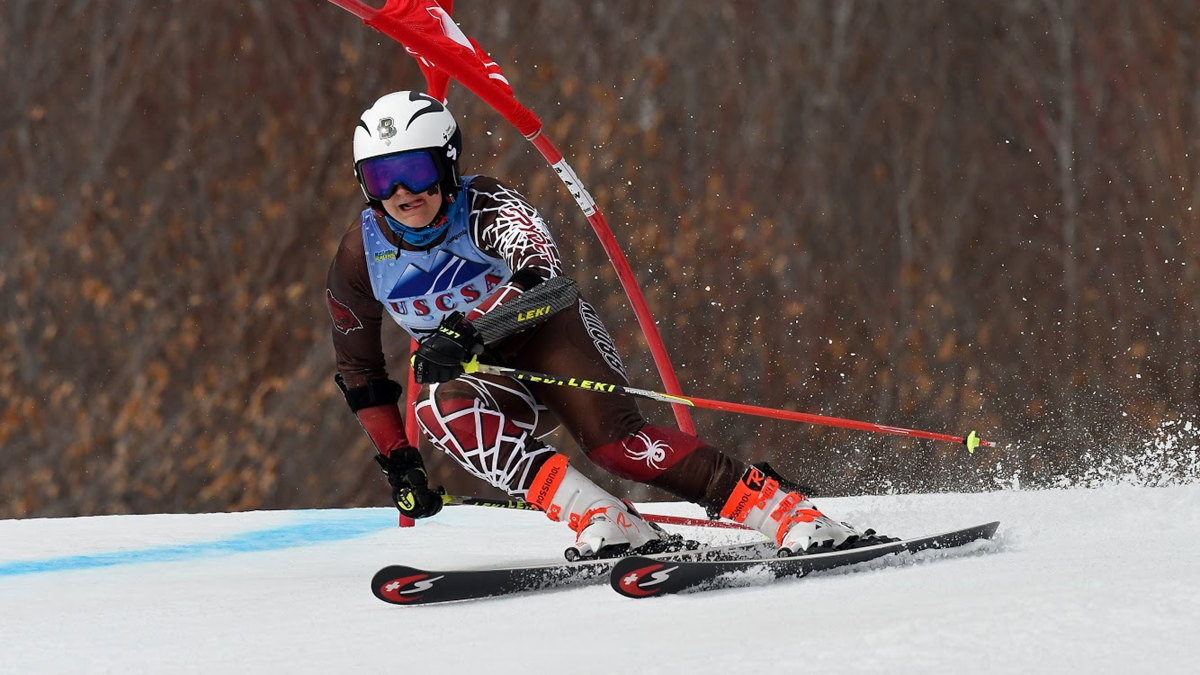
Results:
[403, 585]
[644, 577]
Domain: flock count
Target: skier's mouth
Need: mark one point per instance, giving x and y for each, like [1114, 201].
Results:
[414, 204]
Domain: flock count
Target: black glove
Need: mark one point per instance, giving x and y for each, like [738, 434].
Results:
[441, 355]
[410, 486]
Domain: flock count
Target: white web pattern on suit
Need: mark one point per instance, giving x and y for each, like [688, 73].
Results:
[601, 339]
[501, 457]
[515, 231]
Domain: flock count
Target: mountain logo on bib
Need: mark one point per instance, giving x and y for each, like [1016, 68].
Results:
[444, 272]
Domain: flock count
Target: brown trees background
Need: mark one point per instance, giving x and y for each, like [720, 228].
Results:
[941, 215]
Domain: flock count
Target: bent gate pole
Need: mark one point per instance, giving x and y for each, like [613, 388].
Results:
[425, 29]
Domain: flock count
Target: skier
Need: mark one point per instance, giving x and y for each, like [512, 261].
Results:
[436, 251]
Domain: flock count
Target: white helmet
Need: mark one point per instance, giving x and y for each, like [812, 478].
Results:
[404, 122]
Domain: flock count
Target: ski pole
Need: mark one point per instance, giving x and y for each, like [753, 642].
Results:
[971, 440]
[517, 504]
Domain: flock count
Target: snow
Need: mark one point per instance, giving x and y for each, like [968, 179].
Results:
[1102, 580]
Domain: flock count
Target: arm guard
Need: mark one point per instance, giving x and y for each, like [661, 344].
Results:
[375, 392]
[375, 407]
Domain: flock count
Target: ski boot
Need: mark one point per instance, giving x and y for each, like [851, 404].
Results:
[790, 518]
[604, 526]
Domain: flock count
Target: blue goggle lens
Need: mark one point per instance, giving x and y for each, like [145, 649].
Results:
[415, 171]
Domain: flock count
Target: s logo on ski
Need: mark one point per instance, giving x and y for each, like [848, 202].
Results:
[407, 589]
[645, 581]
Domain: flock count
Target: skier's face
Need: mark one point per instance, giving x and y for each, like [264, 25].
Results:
[414, 210]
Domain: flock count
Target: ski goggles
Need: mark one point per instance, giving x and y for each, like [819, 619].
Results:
[414, 170]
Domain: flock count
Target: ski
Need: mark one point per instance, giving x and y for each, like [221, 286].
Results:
[644, 577]
[403, 585]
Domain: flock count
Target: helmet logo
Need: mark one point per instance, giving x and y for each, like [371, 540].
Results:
[387, 128]
[431, 106]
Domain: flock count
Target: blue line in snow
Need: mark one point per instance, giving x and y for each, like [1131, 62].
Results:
[314, 531]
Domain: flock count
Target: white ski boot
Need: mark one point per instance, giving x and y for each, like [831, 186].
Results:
[810, 531]
[787, 517]
[604, 525]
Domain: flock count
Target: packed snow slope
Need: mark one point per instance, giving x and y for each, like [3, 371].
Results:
[1102, 580]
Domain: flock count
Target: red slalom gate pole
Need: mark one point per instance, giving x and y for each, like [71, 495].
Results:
[609, 242]
[410, 421]
[519, 505]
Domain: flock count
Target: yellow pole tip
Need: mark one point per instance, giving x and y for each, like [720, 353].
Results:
[972, 442]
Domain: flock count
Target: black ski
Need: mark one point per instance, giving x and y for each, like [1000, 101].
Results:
[403, 585]
[644, 577]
